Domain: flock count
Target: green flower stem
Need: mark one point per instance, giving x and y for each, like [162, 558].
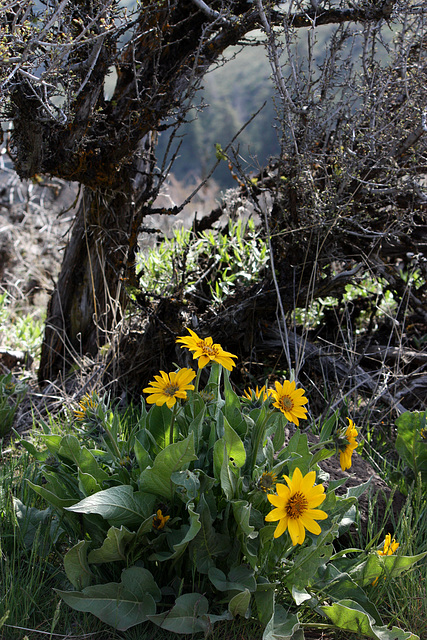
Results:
[174, 412]
[320, 445]
[318, 625]
[113, 443]
[197, 380]
[258, 439]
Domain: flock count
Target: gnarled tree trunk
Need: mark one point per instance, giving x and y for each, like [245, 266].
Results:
[89, 298]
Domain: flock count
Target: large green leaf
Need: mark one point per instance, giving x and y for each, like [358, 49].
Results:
[143, 458]
[196, 426]
[118, 505]
[157, 479]
[249, 521]
[222, 469]
[76, 565]
[87, 484]
[328, 426]
[264, 599]
[158, 424]
[298, 447]
[242, 514]
[356, 492]
[188, 615]
[276, 427]
[32, 520]
[121, 605]
[53, 442]
[307, 560]
[188, 484]
[113, 548]
[340, 585]
[232, 409]
[234, 449]
[350, 616]
[366, 572]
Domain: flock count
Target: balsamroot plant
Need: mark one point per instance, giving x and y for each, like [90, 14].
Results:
[200, 508]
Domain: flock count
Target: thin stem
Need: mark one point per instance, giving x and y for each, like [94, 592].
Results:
[317, 625]
[196, 382]
[258, 439]
[113, 442]
[318, 445]
[174, 412]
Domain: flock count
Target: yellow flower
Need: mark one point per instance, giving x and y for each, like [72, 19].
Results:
[168, 387]
[262, 393]
[206, 351]
[160, 520]
[347, 448]
[87, 404]
[390, 546]
[290, 400]
[267, 481]
[295, 506]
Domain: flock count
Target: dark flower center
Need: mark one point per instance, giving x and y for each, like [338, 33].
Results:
[209, 350]
[286, 403]
[297, 505]
[171, 389]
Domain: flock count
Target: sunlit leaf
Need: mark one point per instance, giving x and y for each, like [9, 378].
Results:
[239, 604]
[118, 505]
[350, 616]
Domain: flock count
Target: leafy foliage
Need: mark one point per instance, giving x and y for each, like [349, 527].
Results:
[167, 516]
[210, 264]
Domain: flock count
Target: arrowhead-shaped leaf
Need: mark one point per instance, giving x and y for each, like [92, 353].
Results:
[114, 546]
[121, 605]
[118, 505]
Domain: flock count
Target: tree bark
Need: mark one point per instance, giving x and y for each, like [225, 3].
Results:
[89, 298]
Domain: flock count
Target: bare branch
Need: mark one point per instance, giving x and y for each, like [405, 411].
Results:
[212, 14]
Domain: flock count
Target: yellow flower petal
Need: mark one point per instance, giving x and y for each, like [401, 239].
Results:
[281, 527]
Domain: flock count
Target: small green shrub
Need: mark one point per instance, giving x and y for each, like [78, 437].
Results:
[20, 329]
[214, 262]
